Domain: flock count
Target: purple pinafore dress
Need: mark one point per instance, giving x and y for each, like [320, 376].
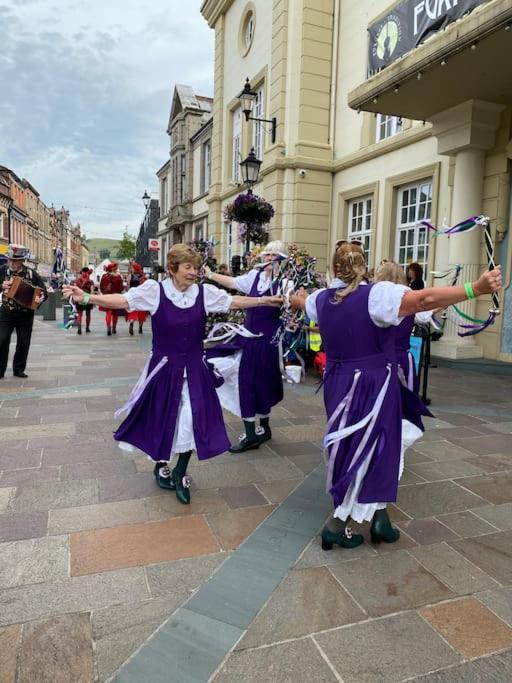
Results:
[260, 381]
[362, 398]
[406, 366]
[178, 335]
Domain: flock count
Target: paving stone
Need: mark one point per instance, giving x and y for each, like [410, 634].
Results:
[297, 661]
[427, 531]
[13, 460]
[390, 583]
[212, 475]
[33, 561]
[81, 393]
[454, 570]
[37, 431]
[140, 544]
[10, 640]
[451, 469]
[54, 494]
[492, 553]
[307, 462]
[76, 594]
[308, 600]
[499, 601]
[488, 444]
[30, 476]
[499, 516]
[98, 516]
[461, 419]
[392, 649]
[436, 423]
[6, 495]
[449, 434]
[306, 433]
[291, 450]
[432, 499]
[202, 502]
[57, 651]
[501, 427]
[466, 524]
[489, 464]
[20, 526]
[233, 526]
[495, 488]
[440, 451]
[182, 577]
[483, 670]
[97, 470]
[72, 454]
[314, 556]
[277, 491]
[127, 487]
[242, 496]
[273, 468]
[469, 627]
[119, 630]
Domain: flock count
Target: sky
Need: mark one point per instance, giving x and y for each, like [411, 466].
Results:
[85, 97]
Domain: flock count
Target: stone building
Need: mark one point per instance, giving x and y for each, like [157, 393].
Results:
[148, 230]
[5, 205]
[17, 228]
[432, 139]
[188, 114]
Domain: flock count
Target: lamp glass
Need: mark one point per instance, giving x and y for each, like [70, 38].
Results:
[250, 168]
[247, 98]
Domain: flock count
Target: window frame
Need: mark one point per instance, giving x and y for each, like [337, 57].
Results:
[415, 248]
[387, 126]
[258, 128]
[236, 145]
[366, 204]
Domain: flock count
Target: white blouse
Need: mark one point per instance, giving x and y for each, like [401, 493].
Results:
[244, 283]
[146, 297]
[384, 302]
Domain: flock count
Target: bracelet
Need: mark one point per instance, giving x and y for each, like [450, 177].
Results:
[468, 288]
[86, 298]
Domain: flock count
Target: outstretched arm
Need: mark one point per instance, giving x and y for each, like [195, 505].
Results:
[239, 302]
[106, 300]
[440, 297]
[222, 280]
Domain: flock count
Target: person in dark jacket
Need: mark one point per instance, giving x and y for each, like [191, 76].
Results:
[13, 316]
[415, 276]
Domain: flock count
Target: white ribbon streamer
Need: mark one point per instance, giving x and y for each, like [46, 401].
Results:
[142, 383]
[232, 330]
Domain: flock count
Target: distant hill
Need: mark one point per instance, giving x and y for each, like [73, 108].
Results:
[95, 244]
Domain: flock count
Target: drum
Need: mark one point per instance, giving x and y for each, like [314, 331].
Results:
[21, 294]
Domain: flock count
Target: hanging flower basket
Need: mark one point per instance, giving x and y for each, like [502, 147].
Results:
[252, 213]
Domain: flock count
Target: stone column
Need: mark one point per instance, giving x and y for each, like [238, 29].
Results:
[466, 132]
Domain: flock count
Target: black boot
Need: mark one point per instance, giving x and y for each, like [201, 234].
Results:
[266, 434]
[248, 442]
[382, 529]
[163, 476]
[337, 532]
[114, 331]
[140, 329]
[87, 330]
[180, 479]
[79, 329]
[109, 331]
[130, 329]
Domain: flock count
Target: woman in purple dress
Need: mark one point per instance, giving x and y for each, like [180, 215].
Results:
[362, 391]
[259, 382]
[173, 408]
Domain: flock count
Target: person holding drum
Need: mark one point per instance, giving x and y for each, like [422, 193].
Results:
[23, 291]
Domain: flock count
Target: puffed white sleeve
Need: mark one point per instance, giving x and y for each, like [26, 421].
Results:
[423, 317]
[145, 297]
[311, 311]
[384, 303]
[216, 300]
[244, 283]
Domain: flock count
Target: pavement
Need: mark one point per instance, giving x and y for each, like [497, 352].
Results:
[104, 576]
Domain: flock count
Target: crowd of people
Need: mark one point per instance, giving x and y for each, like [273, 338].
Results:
[369, 380]
[371, 401]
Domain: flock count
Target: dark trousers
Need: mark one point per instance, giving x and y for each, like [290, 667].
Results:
[22, 322]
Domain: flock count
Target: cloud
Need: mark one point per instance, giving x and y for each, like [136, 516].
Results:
[86, 97]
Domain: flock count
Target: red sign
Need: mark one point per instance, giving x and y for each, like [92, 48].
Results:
[154, 245]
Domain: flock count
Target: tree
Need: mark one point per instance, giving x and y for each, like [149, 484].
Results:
[126, 247]
[104, 253]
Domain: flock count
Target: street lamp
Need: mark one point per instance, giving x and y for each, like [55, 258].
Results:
[250, 170]
[146, 199]
[247, 99]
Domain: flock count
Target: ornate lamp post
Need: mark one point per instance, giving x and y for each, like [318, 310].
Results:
[247, 100]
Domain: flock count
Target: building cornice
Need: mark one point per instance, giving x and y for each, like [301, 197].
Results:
[212, 10]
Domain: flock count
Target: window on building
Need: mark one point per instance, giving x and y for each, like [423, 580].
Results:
[163, 197]
[164, 252]
[414, 205]
[360, 223]
[237, 145]
[3, 225]
[183, 166]
[258, 130]
[387, 126]
[249, 30]
[206, 167]
[175, 181]
[199, 230]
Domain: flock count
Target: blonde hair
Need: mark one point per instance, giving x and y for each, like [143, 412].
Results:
[349, 265]
[390, 271]
[182, 253]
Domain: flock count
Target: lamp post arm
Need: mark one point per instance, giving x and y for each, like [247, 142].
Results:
[272, 121]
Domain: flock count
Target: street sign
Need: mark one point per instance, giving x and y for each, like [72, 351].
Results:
[154, 245]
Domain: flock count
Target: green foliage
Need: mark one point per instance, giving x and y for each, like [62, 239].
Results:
[126, 247]
[96, 244]
[104, 253]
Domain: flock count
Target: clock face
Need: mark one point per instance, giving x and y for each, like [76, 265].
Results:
[387, 39]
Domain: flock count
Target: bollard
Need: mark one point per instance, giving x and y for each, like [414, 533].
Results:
[49, 312]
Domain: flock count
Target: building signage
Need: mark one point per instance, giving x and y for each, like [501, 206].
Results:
[154, 244]
[408, 24]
